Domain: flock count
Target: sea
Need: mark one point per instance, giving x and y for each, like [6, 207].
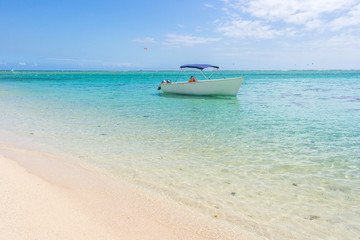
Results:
[281, 159]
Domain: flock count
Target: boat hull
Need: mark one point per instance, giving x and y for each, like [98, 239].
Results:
[228, 86]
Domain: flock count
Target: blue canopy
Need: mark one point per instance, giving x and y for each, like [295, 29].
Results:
[198, 66]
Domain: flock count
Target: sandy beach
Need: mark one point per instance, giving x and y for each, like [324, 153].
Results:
[46, 198]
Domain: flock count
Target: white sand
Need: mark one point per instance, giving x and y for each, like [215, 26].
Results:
[43, 197]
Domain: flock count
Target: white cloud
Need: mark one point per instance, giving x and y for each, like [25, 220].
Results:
[351, 19]
[72, 60]
[208, 5]
[22, 63]
[239, 28]
[338, 42]
[117, 64]
[273, 18]
[144, 40]
[176, 40]
[90, 62]
[292, 11]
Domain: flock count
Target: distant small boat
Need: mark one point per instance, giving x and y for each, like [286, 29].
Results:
[208, 87]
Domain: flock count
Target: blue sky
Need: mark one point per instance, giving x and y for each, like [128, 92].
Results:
[234, 34]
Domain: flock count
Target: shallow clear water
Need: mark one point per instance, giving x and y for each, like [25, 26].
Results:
[281, 159]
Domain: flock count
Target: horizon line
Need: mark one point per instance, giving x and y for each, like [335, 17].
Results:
[168, 70]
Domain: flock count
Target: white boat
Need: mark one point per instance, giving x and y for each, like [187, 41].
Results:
[207, 87]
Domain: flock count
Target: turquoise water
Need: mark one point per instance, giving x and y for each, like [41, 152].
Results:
[281, 159]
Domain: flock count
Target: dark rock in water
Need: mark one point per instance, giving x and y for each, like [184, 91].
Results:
[31, 133]
[227, 182]
[146, 116]
[103, 134]
[313, 217]
[294, 184]
[233, 193]
[98, 126]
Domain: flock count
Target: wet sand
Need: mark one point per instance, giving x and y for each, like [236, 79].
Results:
[45, 197]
